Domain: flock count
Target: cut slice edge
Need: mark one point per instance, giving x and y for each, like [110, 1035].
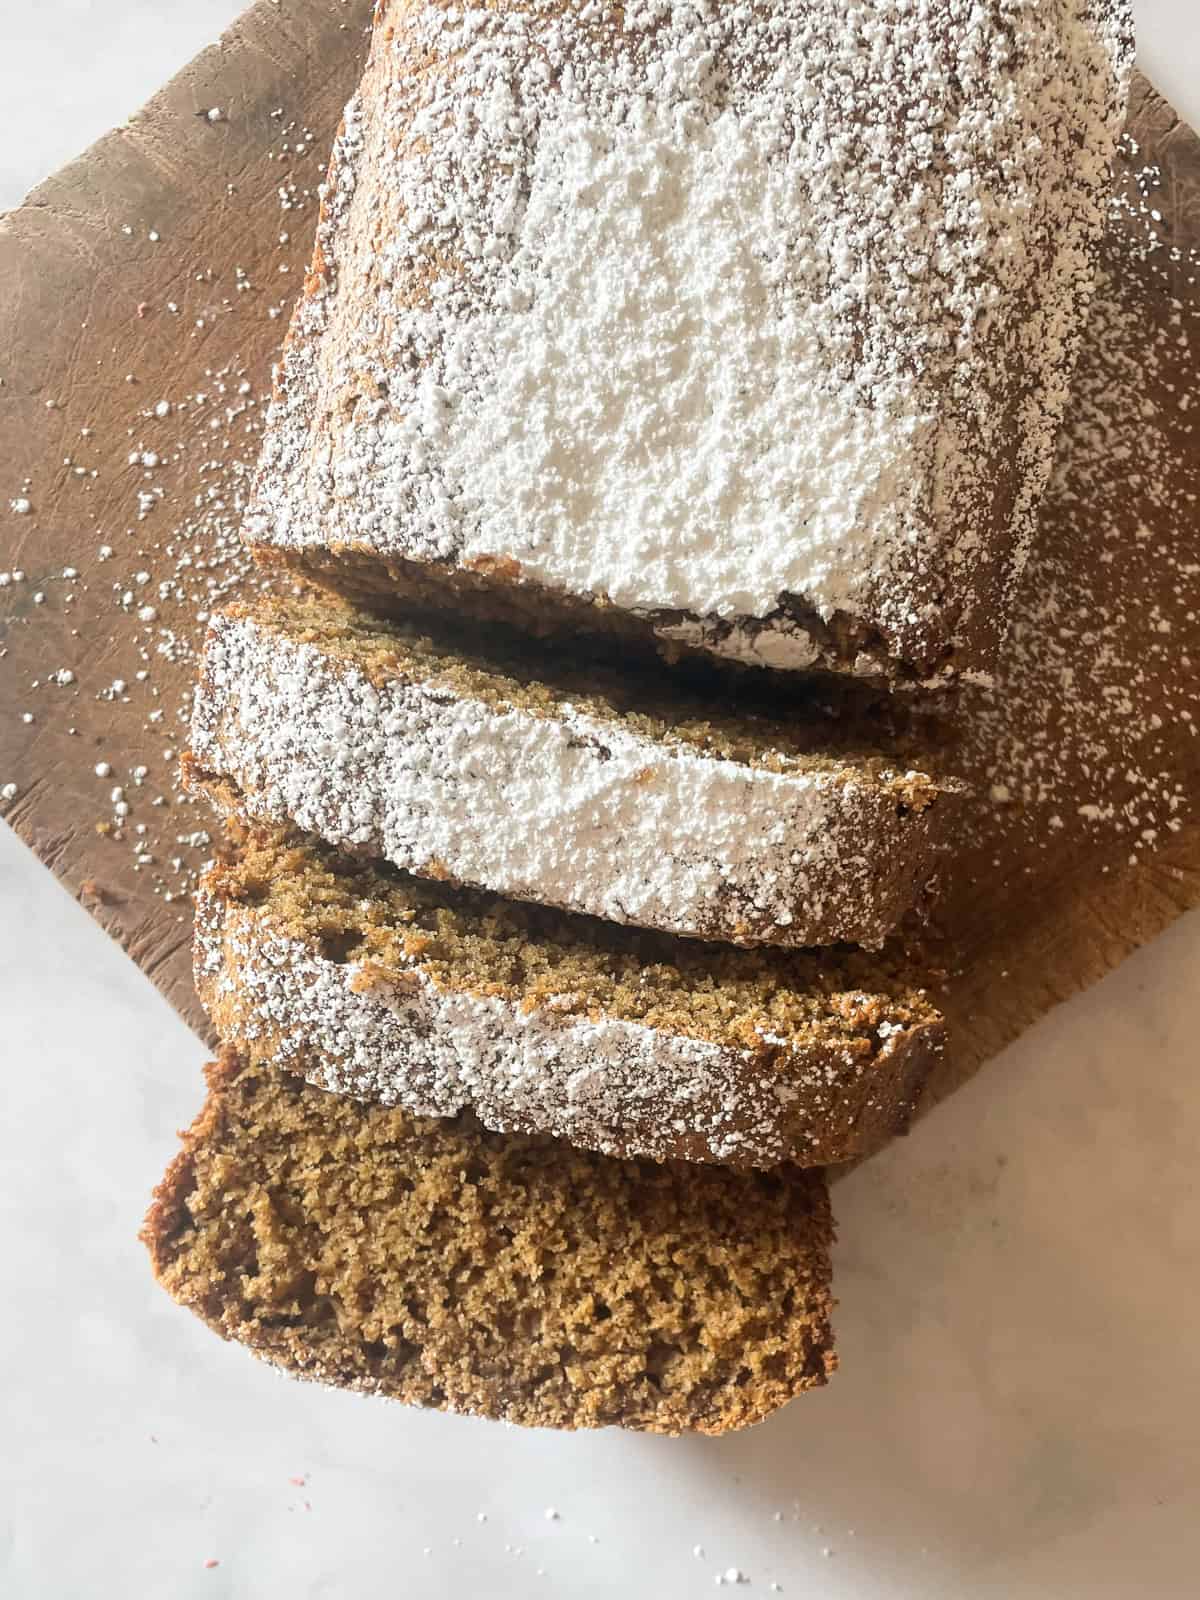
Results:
[396, 991]
[539, 778]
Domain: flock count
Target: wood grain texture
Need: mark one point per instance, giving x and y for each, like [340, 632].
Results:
[1047, 900]
[84, 307]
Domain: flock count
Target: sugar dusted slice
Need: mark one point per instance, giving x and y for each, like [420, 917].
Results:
[623, 796]
[392, 990]
[746, 327]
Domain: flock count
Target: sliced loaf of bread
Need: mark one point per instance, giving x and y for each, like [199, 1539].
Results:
[507, 1277]
[399, 991]
[624, 795]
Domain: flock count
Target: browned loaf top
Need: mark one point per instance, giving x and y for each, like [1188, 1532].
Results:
[515, 1278]
[399, 991]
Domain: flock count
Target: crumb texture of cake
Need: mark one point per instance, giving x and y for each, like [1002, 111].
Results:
[749, 328]
[668, 814]
[377, 985]
[505, 1277]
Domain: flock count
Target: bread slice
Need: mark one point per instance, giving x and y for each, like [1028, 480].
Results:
[575, 786]
[391, 989]
[745, 328]
[514, 1278]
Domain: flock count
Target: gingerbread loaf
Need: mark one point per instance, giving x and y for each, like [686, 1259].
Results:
[603, 792]
[746, 329]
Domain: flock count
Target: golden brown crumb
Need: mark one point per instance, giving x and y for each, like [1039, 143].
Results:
[511, 1277]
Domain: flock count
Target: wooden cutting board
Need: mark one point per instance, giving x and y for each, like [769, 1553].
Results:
[144, 291]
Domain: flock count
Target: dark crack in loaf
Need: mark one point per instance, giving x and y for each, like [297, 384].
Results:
[395, 990]
[744, 328]
[617, 795]
[507, 1277]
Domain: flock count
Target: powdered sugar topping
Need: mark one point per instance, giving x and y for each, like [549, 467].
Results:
[601, 1082]
[559, 805]
[735, 315]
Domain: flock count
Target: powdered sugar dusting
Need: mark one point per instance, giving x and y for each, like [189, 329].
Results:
[145, 450]
[560, 805]
[1089, 739]
[599, 1081]
[731, 318]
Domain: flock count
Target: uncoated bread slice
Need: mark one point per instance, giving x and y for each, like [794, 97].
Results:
[515, 1278]
[745, 327]
[381, 986]
[572, 785]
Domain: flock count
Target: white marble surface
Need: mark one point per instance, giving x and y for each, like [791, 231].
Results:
[1019, 1408]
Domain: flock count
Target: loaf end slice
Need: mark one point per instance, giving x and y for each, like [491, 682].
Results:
[514, 1278]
